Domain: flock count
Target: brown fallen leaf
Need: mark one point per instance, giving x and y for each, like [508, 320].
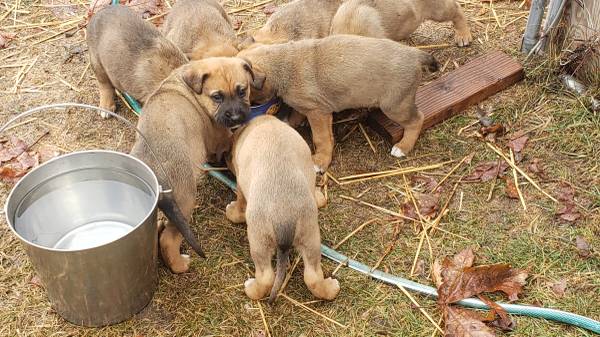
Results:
[567, 208]
[487, 171]
[497, 316]
[12, 171]
[12, 149]
[420, 267]
[487, 278]
[559, 287]
[583, 248]
[447, 269]
[518, 144]
[48, 152]
[496, 128]
[427, 182]
[5, 38]
[469, 158]
[460, 322]
[236, 23]
[36, 281]
[511, 188]
[270, 9]
[260, 333]
[537, 168]
[428, 205]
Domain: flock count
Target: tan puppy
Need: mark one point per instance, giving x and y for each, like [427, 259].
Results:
[277, 198]
[185, 121]
[318, 77]
[297, 20]
[200, 28]
[397, 19]
[129, 54]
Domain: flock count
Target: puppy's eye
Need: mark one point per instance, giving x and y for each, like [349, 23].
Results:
[217, 97]
[242, 92]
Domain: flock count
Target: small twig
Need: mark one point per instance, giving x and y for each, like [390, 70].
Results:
[332, 177]
[367, 137]
[420, 308]
[395, 173]
[491, 193]
[21, 123]
[264, 319]
[249, 7]
[379, 208]
[67, 84]
[499, 152]
[433, 46]
[349, 133]
[449, 173]
[512, 159]
[293, 301]
[358, 229]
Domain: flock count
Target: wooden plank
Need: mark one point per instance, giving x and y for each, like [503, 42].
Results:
[455, 91]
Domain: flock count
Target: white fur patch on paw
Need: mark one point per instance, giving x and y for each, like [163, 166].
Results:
[104, 115]
[318, 169]
[185, 256]
[396, 152]
[248, 282]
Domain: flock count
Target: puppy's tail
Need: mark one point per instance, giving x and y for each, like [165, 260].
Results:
[168, 205]
[429, 62]
[285, 238]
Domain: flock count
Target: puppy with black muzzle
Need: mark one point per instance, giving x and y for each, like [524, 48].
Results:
[278, 200]
[318, 77]
[129, 54]
[397, 19]
[185, 122]
[201, 29]
[297, 20]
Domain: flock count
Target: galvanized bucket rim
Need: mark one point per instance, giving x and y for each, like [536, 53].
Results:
[155, 184]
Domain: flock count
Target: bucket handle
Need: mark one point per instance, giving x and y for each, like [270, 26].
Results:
[91, 107]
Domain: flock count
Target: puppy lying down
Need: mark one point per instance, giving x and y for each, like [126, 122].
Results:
[277, 198]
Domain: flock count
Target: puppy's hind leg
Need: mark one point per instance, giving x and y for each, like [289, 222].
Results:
[310, 248]
[261, 251]
[236, 210]
[411, 119]
[107, 91]
[321, 126]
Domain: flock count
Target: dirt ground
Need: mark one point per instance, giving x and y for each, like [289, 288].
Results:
[47, 63]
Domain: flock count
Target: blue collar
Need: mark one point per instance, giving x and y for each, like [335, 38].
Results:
[272, 106]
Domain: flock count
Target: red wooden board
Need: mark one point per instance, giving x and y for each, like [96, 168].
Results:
[455, 91]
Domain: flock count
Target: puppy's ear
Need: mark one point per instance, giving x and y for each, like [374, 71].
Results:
[194, 79]
[258, 78]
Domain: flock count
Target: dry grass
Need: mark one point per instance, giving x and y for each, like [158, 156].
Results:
[209, 300]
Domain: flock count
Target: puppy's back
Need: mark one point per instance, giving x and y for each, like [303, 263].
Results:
[285, 186]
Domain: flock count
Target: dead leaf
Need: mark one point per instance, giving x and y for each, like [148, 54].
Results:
[428, 205]
[270, 9]
[511, 188]
[5, 38]
[583, 248]
[497, 129]
[48, 152]
[436, 273]
[420, 267]
[497, 316]
[236, 23]
[465, 323]
[447, 269]
[487, 171]
[36, 281]
[28, 160]
[428, 182]
[537, 168]
[13, 170]
[12, 149]
[568, 209]
[518, 144]
[559, 288]
[260, 333]
[486, 278]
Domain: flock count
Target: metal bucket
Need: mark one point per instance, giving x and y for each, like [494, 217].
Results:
[88, 223]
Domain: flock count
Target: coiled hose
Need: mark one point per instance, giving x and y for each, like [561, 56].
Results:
[516, 309]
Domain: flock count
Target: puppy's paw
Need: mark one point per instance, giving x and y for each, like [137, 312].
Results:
[234, 214]
[251, 289]
[318, 169]
[321, 162]
[463, 38]
[332, 288]
[181, 264]
[397, 152]
[104, 115]
[320, 198]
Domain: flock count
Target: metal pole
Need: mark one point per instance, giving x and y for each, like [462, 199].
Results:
[530, 38]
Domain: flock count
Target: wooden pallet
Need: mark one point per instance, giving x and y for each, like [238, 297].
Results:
[455, 91]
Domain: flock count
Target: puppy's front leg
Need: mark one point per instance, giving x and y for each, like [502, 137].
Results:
[321, 124]
[411, 119]
[236, 210]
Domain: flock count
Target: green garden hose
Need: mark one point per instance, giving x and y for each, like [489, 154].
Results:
[516, 309]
